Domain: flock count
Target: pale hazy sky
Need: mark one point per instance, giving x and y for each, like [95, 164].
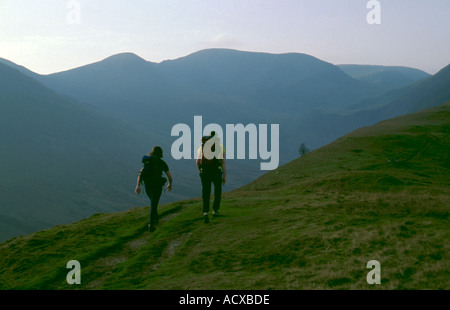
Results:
[38, 34]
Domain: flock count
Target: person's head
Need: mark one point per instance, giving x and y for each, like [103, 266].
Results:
[157, 152]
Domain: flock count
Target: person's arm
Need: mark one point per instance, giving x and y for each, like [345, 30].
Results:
[199, 159]
[224, 167]
[169, 176]
[224, 170]
[138, 183]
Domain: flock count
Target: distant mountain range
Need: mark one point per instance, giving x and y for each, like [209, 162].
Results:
[74, 139]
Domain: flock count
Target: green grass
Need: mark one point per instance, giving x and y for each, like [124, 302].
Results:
[380, 193]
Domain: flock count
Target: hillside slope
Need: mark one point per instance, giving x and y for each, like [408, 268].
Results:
[387, 76]
[379, 193]
[426, 93]
[61, 160]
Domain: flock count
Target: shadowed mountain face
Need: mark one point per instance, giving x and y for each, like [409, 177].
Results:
[429, 92]
[265, 81]
[59, 158]
[75, 138]
[227, 86]
[22, 69]
[260, 80]
[223, 86]
[388, 77]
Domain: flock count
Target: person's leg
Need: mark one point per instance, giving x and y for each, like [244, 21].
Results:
[150, 196]
[155, 195]
[206, 190]
[217, 180]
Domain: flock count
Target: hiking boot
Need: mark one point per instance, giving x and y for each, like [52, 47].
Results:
[216, 213]
[206, 218]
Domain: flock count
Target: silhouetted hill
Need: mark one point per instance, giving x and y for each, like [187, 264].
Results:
[116, 85]
[224, 86]
[266, 81]
[22, 69]
[388, 77]
[204, 81]
[429, 92]
[229, 86]
[61, 160]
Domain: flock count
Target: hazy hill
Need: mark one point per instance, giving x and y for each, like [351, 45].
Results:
[273, 82]
[388, 77]
[378, 193]
[224, 86]
[22, 69]
[259, 80]
[426, 93]
[429, 92]
[229, 86]
[123, 85]
[61, 160]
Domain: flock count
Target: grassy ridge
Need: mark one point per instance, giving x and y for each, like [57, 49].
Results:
[381, 193]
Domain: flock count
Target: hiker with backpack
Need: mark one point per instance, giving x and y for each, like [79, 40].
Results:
[211, 164]
[151, 176]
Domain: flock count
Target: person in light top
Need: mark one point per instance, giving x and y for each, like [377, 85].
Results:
[212, 166]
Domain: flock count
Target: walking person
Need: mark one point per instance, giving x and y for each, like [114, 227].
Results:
[211, 164]
[151, 176]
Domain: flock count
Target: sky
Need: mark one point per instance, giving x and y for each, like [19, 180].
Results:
[48, 36]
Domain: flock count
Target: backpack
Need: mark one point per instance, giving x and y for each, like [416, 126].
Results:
[210, 164]
[151, 173]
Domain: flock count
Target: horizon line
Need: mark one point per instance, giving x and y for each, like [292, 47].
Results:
[212, 48]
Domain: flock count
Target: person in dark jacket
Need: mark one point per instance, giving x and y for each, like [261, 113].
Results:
[151, 176]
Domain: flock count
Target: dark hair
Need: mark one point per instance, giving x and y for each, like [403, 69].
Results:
[157, 152]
